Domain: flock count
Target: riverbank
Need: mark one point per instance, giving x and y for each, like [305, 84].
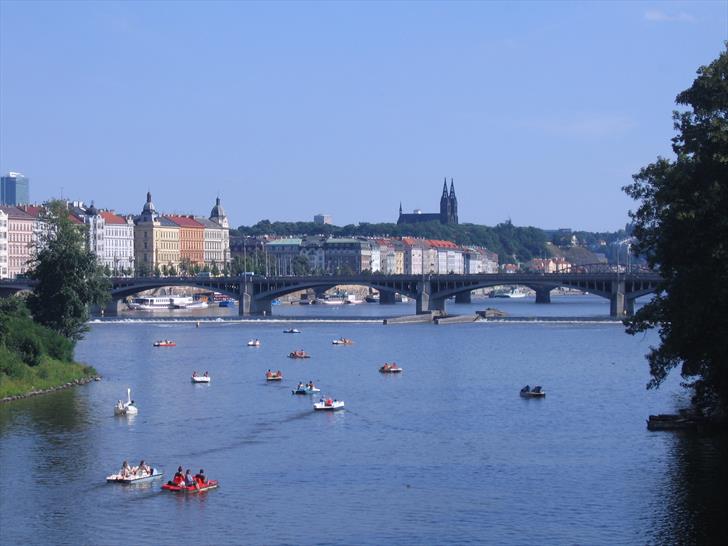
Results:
[49, 376]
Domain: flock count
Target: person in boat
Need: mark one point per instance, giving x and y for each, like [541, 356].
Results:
[143, 469]
[194, 374]
[200, 478]
[527, 388]
[125, 471]
[207, 374]
[178, 479]
[311, 385]
[189, 479]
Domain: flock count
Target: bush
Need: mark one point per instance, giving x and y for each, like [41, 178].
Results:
[28, 347]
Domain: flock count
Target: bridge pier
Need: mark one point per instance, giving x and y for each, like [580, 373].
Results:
[386, 297]
[463, 297]
[629, 306]
[543, 294]
[111, 309]
[616, 300]
[422, 303]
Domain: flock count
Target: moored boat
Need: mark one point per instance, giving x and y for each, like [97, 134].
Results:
[536, 392]
[210, 484]
[328, 404]
[390, 368]
[165, 343]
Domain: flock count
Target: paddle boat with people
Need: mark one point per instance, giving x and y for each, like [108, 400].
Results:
[535, 392]
[342, 341]
[254, 343]
[186, 483]
[135, 474]
[165, 343]
[308, 388]
[292, 331]
[126, 408]
[204, 378]
[390, 368]
[273, 376]
[299, 354]
[328, 404]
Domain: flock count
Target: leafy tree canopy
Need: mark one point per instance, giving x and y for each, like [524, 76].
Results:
[69, 278]
[681, 226]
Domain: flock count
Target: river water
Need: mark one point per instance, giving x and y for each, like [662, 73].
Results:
[445, 453]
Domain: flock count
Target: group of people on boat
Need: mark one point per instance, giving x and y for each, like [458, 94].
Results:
[277, 373]
[186, 479]
[309, 386]
[387, 367]
[135, 471]
[194, 374]
[328, 401]
[300, 353]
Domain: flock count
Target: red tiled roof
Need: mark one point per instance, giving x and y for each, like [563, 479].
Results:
[74, 219]
[443, 244]
[111, 218]
[15, 213]
[184, 221]
[32, 210]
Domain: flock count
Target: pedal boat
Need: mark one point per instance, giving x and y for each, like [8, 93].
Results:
[273, 376]
[328, 405]
[536, 392]
[292, 331]
[210, 484]
[299, 354]
[165, 343]
[126, 408]
[342, 341]
[305, 390]
[200, 378]
[390, 368]
[134, 478]
[254, 343]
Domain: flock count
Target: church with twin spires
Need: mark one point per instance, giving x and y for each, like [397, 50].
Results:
[448, 210]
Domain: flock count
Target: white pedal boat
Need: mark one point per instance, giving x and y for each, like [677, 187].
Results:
[305, 390]
[254, 343]
[126, 408]
[135, 478]
[328, 405]
[200, 378]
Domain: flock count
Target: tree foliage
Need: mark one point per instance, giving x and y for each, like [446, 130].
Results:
[681, 227]
[69, 278]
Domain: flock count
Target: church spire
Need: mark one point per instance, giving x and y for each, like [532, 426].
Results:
[444, 188]
[452, 188]
[400, 208]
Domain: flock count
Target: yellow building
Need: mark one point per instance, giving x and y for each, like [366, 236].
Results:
[156, 240]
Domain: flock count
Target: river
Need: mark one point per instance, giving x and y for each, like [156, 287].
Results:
[445, 453]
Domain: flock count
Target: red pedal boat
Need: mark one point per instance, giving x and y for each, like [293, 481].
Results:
[210, 484]
[165, 343]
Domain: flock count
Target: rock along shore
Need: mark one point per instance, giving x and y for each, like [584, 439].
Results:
[68, 385]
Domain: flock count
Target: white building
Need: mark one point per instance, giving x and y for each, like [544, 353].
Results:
[3, 245]
[118, 243]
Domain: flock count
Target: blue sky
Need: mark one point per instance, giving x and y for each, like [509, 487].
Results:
[540, 111]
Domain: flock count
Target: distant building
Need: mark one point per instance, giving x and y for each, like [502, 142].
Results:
[448, 210]
[14, 189]
[322, 219]
[191, 239]
[21, 233]
[3, 245]
[156, 239]
[119, 239]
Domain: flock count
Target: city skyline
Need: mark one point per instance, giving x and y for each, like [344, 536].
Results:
[527, 106]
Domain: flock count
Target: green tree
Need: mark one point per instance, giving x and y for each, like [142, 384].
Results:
[301, 266]
[215, 271]
[681, 227]
[69, 278]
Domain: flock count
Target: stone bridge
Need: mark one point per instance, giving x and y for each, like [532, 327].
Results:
[621, 286]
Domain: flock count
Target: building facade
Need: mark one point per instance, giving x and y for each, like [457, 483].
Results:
[21, 236]
[3, 245]
[14, 189]
[119, 243]
[191, 240]
[156, 240]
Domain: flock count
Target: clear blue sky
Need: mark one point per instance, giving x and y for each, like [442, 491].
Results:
[540, 111]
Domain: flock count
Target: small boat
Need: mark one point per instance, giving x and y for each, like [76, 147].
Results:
[211, 484]
[165, 343]
[342, 341]
[536, 392]
[135, 478]
[328, 405]
[205, 378]
[226, 303]
[273, 376]
[390, 368]
[126, 408]
[254, 343]
[292, 331]
[306, 389]
[299, 354]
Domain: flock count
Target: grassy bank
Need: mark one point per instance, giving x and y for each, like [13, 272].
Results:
[17, 378]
